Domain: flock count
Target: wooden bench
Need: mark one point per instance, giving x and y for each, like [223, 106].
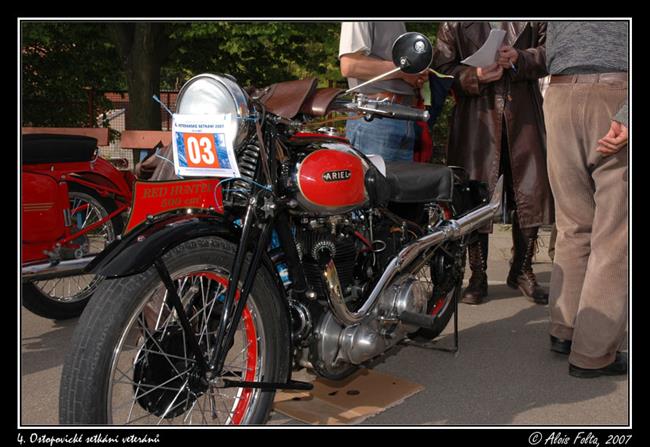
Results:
[99, 133]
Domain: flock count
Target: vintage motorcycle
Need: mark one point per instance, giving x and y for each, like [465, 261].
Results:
[337, 258]
[72, 201]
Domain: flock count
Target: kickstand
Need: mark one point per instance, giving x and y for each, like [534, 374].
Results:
[433, 345]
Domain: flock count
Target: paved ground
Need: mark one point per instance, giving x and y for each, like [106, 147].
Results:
[504, 373]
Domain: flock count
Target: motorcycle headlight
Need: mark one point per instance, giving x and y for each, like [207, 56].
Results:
[209, 94]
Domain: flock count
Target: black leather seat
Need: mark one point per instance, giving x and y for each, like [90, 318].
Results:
[419, 182]
[51, 148]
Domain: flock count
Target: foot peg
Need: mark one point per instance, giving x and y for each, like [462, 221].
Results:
[416, 319]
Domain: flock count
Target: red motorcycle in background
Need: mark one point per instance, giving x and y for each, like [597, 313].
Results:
[72, 205]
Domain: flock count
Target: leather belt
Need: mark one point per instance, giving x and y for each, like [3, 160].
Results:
[594, 78]
[406, 100]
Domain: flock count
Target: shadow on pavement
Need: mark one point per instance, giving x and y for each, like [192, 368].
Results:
[504, 367]
[48, 349]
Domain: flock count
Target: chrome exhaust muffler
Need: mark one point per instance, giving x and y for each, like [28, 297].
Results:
[452, 229]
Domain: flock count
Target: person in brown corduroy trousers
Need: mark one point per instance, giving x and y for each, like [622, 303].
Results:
[587, 129]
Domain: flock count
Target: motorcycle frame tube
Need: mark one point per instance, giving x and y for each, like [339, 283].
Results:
[288, 245]
[89, 228]
[103, 190]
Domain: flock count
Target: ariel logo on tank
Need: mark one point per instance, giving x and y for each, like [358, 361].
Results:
[337, 176]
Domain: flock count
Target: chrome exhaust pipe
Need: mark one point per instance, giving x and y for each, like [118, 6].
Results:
[47, 270]
[453, 229]
[335, 298]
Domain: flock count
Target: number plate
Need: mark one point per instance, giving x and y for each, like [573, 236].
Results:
[203, 145]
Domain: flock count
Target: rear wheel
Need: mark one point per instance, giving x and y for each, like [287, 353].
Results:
[131, 363]
[444, 276]
[63, 298]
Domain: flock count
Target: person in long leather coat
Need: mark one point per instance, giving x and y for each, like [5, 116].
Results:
[498, 128]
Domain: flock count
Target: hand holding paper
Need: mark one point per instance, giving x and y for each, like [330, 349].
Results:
[489, 74]
[507, 57]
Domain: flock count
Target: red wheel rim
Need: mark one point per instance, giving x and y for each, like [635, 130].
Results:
[439, 303]
[251, 352]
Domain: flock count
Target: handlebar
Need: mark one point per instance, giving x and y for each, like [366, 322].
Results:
[372, 107]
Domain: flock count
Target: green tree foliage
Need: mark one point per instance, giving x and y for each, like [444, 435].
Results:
[256, 53]
[62, 63]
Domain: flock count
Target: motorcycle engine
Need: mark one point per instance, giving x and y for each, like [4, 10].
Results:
[360, 256]
[338, 348]
[325, 238]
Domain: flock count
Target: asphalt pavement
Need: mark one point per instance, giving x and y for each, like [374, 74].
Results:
[503, 374]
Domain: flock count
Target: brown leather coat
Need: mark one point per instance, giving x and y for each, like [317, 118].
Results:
[477, 123]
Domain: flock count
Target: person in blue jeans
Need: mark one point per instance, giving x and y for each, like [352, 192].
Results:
[364, 53]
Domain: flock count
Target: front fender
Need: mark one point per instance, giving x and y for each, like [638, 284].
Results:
[137, 251]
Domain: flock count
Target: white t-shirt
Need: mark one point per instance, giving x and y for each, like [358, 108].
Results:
[374, 39]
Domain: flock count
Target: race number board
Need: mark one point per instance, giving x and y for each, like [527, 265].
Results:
[203, 145]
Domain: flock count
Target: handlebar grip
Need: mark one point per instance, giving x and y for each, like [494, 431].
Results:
[403, 112]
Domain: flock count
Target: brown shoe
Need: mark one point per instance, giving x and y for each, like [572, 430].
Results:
[527, 284]
[476, 290]
[521, 274]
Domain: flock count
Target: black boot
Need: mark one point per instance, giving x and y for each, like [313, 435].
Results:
[521, 274]
[476, 290]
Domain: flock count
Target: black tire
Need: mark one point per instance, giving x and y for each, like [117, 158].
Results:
[53, 305]
[442, 317]
[87, 370]
[446, 287]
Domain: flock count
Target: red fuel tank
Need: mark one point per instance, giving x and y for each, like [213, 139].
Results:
[331, 180]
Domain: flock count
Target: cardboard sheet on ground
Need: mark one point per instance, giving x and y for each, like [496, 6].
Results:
[350, 401]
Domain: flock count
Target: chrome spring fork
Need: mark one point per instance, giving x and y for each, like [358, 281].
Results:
[248, 163]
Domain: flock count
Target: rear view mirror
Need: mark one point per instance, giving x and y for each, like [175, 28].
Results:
[412, 53]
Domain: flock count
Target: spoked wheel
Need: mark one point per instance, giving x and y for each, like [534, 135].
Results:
[62, 298]
[442, 279]
[137, 367]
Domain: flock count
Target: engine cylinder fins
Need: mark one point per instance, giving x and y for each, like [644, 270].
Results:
[315, 247]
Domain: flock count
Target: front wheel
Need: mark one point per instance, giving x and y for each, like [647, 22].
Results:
[131, 363]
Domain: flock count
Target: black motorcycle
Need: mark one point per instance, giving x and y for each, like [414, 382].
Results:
[336, 257]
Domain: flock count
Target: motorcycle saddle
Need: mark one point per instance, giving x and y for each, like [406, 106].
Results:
[411, 182]
[287, 99]
[50, 148]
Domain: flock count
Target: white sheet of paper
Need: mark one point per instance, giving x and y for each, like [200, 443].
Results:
[487, 54]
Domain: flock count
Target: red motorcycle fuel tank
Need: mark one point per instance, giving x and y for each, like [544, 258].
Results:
[331, 179]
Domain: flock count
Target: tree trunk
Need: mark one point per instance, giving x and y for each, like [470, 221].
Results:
[143, 80]
[142, 46]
